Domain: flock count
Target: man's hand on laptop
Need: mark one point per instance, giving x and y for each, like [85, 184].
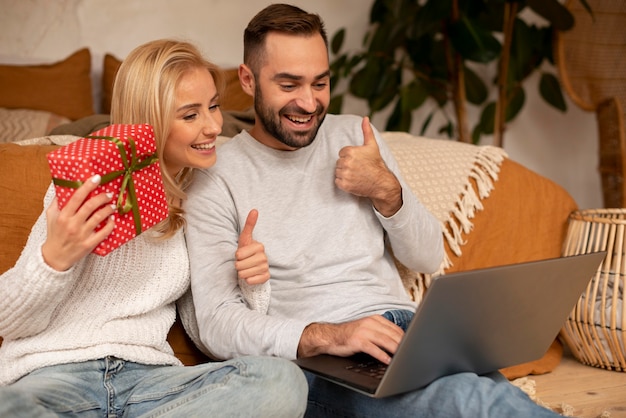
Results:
[373, 335]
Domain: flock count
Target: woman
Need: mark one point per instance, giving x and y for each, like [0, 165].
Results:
[85, 335]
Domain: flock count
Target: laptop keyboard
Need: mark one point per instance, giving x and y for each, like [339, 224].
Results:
[372, 368]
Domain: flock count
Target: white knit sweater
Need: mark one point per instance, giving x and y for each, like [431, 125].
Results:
[121, 305]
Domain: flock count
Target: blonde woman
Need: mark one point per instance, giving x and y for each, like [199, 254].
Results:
[85, 335]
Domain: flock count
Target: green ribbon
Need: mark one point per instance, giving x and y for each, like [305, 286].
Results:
[128, 186]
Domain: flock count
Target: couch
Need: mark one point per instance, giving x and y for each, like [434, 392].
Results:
[498, 211]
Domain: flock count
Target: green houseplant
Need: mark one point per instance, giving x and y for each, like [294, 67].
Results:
[435, 49]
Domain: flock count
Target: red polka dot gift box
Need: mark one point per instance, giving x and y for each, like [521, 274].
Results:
[125, 157]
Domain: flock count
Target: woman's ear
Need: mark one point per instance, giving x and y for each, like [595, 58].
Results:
[246, 79]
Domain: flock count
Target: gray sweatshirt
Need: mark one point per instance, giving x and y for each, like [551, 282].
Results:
[327, 249]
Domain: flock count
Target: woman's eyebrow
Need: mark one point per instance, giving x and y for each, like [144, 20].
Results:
[215, 98]
[188, 106]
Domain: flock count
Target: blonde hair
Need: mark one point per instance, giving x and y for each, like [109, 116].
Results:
[144, 92]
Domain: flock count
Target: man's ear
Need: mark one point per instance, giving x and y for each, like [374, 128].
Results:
[246, 79]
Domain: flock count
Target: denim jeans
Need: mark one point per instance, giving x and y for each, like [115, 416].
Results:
[110, 387]
[458, 395]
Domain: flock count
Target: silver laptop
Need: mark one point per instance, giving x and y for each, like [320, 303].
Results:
[474, 321]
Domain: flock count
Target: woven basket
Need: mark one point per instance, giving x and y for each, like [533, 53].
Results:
[594, 330]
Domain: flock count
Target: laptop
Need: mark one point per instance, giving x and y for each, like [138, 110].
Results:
[473, 321]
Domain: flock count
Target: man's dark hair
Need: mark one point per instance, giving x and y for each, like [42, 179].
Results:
[281, 18]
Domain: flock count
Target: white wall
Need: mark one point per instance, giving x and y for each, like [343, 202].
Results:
[562, 147]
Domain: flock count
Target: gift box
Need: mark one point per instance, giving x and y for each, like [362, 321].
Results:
[125, 157]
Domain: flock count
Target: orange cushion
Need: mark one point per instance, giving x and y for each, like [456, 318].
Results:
[25, 178]
[109, 70]
[544, 365]
[22, 188]
[183, 347]
[234, 98]
[63, 88]
[524, 219]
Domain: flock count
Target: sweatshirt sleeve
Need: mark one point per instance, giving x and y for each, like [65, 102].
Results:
[31, 290]
[227, 326]
[413, 232]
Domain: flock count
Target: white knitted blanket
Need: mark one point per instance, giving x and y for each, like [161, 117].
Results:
[439, 172]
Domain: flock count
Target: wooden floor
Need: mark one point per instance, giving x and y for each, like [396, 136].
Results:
[575, 389]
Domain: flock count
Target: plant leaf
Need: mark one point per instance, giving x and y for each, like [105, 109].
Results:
[428, 18]
[473, 42]
[586, 6]
[448, 129]
[338, 64]
[387, 89]
[426, 123]
[476, 132]
[334, 82]
[515, 101]
[487, 118]
[413, 95]
[353, 62]
[366, 80]
[337, 41]
[400, 119]
[551, 92]
[554, 12]
[475, 88]
[522, 50]
[489, 14]
[379, 11]
[335, 105]
[381, 40]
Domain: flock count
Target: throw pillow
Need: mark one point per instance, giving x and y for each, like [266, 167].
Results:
[18, 124]
[109, 70]
[234, 98]
[63, 88]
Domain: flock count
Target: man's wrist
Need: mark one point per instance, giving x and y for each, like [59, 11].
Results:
[313, 339]
[390, 200]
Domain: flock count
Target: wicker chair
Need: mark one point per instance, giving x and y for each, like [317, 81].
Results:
[591, 59]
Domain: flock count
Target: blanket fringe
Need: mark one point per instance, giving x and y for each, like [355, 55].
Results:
[457, 224]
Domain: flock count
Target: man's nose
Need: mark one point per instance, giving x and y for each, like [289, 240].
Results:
[307, 100]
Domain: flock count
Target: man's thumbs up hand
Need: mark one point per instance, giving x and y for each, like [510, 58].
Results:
[250, 259]
[360, 170]
[358, 167]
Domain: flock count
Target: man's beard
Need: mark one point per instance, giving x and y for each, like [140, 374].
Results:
[271, 123]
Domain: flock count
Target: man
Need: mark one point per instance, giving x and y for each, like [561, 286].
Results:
[331, 204]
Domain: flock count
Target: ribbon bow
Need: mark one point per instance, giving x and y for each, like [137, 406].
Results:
[127, 189]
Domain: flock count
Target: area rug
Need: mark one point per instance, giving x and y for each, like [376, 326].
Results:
[529, 386]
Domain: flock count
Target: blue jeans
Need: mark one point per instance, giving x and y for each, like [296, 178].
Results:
[458, 395]
[110, 387]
